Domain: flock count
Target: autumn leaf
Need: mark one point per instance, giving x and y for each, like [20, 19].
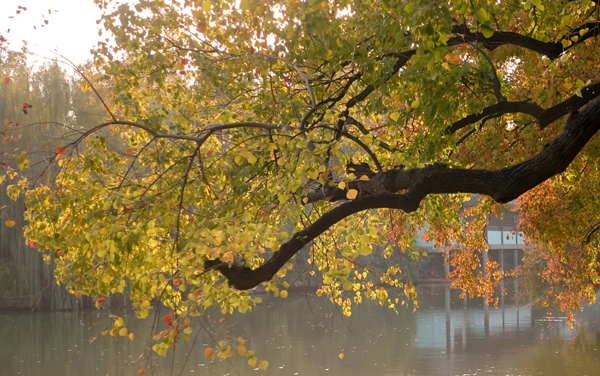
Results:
[209, 352]
[9, 223]
[60, 150]
[7, 139]
[6, 80]
[351, 194]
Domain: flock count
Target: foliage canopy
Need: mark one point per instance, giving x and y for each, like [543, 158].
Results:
[242, 131]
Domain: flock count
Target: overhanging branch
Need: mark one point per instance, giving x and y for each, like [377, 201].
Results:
[380, 192]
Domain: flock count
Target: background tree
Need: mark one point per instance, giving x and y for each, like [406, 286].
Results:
[250, 130]
[56, 101]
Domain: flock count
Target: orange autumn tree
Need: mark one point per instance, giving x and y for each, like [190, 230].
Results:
[241, 132]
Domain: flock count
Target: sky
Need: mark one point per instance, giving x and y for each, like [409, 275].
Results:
[71, 27]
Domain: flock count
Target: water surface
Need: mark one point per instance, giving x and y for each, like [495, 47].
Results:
[305, 335]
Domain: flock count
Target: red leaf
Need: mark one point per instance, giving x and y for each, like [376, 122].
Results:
[100, 300]
[60, 150]
[6, 80]
[184, 61]
[3, 133]
[181, 72]
[26, 106]
[209, 153]
[141, 371]
[31, 243]
[92, 339]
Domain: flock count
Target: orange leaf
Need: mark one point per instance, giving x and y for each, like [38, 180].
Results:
[7, 139]
[78, 294]
[209, 352]
[60, 150]
[141, 371]
[131, 336]
[9, 223]
[6, 80]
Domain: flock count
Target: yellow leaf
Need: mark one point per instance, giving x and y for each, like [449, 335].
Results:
[341, 355]
[9, 223]
[364, 178]
[123, 332]
[241, 349]
[263, 365]
[283, 294]
[252, 362]
[305, 200]
[415, 104]
[395, 116]
[352, 193]
[342, 185]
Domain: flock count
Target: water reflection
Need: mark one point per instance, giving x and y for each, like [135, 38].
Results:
[304, 336]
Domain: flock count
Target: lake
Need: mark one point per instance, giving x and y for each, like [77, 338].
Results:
[304, 335]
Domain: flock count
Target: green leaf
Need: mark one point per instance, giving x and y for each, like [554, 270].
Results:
[481, 15]
[486, 31]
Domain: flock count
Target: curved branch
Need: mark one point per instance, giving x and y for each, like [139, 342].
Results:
[503, 186]
[356, 140]
[211, 128]
[544, 116]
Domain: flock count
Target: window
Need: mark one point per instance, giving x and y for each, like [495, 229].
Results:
[494, 237]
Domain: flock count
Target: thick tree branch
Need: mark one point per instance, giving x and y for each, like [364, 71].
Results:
[543, 116]
[380, 192]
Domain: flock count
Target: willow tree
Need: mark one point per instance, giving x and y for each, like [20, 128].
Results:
[244, 131]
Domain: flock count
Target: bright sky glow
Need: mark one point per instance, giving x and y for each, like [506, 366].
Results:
[72, 30]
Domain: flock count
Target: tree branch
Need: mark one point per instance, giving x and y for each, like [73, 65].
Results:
[380, 192]
[543, 116]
